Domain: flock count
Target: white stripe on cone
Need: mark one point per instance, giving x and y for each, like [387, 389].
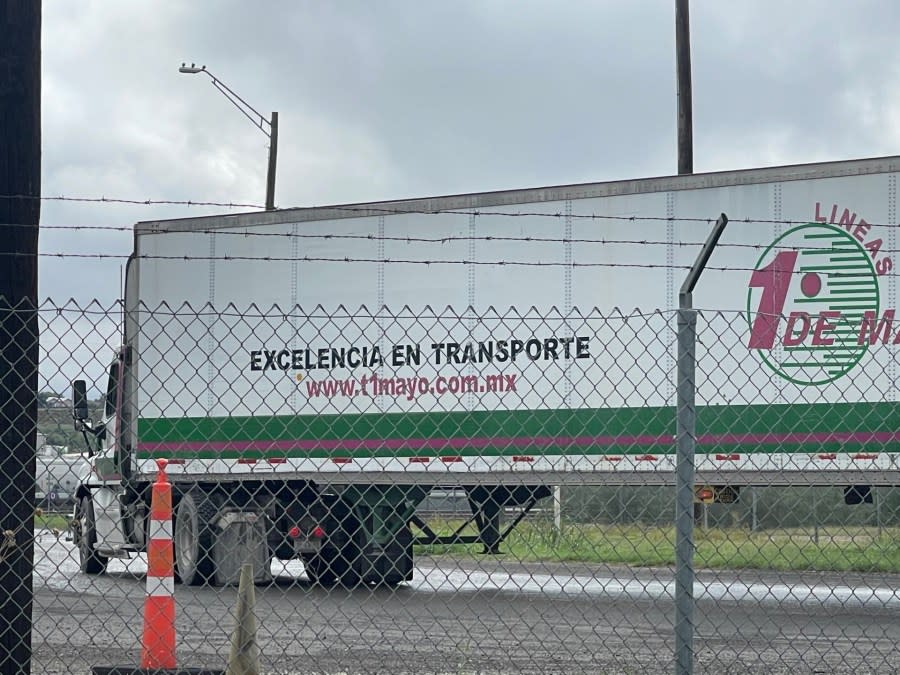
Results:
[160, 529]
[161, 587]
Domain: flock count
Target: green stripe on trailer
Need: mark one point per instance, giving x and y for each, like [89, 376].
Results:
[764, 429]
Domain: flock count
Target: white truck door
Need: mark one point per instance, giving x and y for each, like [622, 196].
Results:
[106, 464]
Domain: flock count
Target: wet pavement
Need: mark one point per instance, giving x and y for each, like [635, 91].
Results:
[480, 615]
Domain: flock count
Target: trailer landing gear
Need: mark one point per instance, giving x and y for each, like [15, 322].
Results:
[487, 506]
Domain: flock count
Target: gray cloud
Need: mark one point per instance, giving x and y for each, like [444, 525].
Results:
[401, 99]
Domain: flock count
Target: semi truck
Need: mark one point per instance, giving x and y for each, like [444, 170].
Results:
[310, 374]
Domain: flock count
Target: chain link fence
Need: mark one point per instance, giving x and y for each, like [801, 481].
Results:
[425, 491]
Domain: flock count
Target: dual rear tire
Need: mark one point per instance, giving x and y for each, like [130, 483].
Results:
[331, 566]
[194, 541]
[194, 538]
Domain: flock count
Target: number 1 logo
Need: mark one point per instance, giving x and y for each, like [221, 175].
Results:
[807, 297]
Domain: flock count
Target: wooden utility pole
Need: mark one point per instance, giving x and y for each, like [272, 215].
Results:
[20, 207]
[683, 74]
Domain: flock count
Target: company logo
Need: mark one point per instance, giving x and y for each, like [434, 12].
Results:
[814, 301]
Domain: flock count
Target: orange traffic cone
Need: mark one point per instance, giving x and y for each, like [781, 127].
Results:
[158, 643]
[158, 647]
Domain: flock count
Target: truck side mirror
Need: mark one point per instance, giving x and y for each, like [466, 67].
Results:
[79, 401]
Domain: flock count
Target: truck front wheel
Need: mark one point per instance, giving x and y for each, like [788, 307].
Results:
[194, 562]
[86, 537]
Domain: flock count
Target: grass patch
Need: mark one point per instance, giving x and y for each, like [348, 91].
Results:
[843, 549]
[51, 521]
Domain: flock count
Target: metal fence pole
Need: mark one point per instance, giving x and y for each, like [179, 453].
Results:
[557, 511]
[754, 522]
[686, 436]
[877, 495]
[685, 446]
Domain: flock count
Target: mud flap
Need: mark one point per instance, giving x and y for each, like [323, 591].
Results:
[241, 539]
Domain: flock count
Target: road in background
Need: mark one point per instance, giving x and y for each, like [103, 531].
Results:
[480, 615]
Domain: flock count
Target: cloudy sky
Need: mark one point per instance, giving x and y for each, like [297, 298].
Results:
[390, 99]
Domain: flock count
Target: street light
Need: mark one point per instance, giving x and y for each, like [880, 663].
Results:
[268, 126]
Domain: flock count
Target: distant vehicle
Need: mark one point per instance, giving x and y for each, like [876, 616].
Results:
[58, 402]
[58, 474]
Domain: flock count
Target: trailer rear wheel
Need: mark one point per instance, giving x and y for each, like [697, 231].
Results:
[396, 565]
[194, 538]
[331, 566]
[91, 561]
[318, 570]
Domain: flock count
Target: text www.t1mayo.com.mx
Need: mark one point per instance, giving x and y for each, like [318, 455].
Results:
[411, 387]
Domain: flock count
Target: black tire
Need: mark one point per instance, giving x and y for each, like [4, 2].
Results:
[399, 569]
[318, 570]
[337, 561]
[194, 538]
[395, 565]
[331, 566]
[86, 537]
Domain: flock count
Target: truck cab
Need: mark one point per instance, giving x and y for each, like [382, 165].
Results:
[219, 524]
[104, 528]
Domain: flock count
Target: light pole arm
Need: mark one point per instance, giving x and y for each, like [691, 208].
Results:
[268, 126]
[257, 119]
[238, 102]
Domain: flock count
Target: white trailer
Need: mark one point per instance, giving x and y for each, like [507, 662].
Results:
[346, 359]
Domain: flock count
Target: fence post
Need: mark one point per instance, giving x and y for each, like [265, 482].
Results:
[754, 522]
[685, 446]
[686, 436]
[557, 511]
[876, 493]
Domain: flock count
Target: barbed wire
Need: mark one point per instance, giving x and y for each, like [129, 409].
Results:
[454, 238]
[245, 258]
[400, 261]
[373, 208]
[704, 220]
[515, 214]
[441, 240]
[139, 202]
